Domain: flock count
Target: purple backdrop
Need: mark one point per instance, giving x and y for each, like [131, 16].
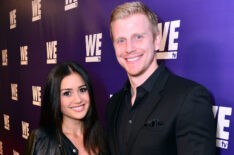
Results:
[198, 38]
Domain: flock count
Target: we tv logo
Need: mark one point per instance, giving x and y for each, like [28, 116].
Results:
[24, 55]
[12, 19]
[1, 148]
[93, 45]
[36, 93]
[4, 57]
[14, 91]
[169, 43]
[70, 4]
[51, 48]
[36, 10]
[15, 152]
[223, 115]
[6, 121]
[25, 130]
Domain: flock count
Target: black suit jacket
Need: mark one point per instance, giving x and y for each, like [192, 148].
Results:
[176, 119]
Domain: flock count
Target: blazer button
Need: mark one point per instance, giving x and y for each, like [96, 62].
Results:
[130, 121]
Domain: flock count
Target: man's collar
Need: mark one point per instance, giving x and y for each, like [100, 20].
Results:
[149, 83]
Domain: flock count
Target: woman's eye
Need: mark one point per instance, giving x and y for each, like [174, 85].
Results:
[67, 93]
[84, 89]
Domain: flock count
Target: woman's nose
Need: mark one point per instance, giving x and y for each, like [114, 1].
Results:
[76, 98]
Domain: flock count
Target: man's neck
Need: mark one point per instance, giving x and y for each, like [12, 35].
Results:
[136, 81]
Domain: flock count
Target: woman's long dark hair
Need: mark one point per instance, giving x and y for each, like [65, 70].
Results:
[51, 115]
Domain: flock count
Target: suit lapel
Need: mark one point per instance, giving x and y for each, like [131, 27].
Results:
[148, 106]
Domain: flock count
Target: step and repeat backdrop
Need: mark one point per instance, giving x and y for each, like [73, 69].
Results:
[197, 43]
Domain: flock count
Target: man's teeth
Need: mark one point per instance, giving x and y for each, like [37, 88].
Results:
[133, 59]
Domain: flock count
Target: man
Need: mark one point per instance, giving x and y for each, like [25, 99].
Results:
[157, 112]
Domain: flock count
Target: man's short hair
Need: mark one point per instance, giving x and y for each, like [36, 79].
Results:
[130, 8]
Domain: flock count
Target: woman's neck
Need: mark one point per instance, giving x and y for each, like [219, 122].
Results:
[72, 127]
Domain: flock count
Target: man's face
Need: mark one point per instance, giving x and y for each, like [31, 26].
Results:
[134, 45]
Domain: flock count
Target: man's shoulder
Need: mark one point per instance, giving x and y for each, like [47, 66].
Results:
[177, 83]
[114, 101]
[117, 94]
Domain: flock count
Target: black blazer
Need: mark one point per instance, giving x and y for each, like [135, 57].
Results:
[176, 119]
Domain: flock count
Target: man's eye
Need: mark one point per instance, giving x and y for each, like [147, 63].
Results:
[67, 93]
[84, 89]
[138, 37]
[120, 41]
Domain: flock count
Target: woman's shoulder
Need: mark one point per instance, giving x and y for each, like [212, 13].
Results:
[38, 134]
[34, 141]
[40, 142]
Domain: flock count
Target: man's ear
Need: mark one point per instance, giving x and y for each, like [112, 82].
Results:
[157, 42]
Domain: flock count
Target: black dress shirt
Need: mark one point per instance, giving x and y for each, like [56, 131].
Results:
[128, 112]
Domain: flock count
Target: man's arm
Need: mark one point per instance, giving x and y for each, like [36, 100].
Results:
[195, 127]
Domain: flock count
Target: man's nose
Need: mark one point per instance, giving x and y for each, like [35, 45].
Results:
[130, 46]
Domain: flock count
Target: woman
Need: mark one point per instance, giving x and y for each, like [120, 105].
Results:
[69, 122]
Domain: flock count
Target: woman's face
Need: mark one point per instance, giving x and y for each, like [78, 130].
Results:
[74, 97]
